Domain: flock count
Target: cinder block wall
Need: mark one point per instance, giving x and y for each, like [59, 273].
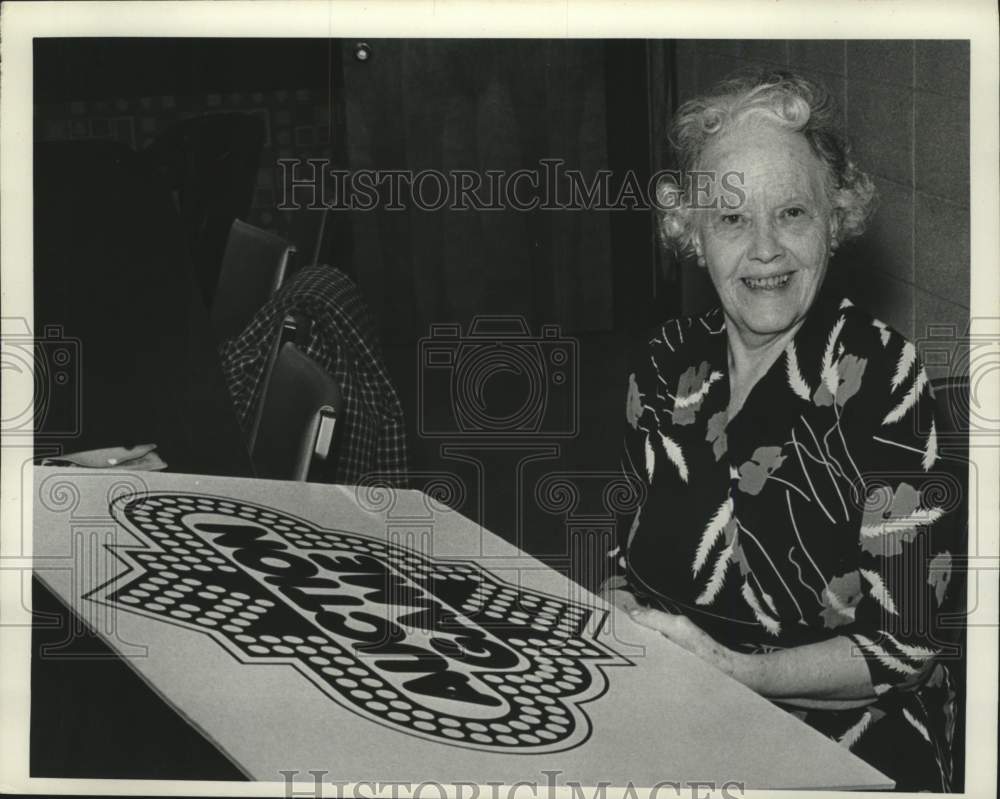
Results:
[905, 107]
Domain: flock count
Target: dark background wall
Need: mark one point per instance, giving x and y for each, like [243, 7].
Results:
[136, 90]
[414, 104]
[905, 106]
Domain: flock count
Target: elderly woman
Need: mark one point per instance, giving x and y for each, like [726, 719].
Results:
[785, 439]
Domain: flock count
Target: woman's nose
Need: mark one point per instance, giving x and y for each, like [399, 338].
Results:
[764, 246]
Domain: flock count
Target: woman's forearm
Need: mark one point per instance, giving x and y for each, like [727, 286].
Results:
[825, 674]
[828, 675]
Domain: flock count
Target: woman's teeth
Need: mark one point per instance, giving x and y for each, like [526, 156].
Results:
[767, 283]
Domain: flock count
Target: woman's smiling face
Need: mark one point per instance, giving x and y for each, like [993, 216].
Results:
[766, 251]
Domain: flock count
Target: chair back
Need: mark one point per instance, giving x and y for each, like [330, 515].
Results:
[296, 426]
[253, 268]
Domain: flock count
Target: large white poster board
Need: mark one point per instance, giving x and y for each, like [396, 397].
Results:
[375, 634]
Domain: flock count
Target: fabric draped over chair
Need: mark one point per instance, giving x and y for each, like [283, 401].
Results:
[340, 335]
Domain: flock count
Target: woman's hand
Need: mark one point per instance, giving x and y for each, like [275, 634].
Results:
[685, 633]
[615, 591]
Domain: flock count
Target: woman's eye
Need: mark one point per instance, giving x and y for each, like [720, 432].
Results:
[731, 219]
[795, 213]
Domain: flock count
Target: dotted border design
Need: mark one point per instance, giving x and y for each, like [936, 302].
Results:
[180, 577]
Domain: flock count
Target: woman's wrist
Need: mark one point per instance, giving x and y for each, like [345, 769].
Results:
[746, 668]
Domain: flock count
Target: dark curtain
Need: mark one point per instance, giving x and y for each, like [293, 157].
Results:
[480, 105]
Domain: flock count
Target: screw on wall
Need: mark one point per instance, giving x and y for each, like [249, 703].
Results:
[362, 51]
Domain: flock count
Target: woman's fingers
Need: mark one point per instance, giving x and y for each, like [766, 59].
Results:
[622, 599]
[679, 629]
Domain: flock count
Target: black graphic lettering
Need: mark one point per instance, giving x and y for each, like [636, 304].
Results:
[450, 685]
[442, 650]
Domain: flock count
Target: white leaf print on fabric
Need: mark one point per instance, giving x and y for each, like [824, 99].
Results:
[907, 358]
[650, 459]
[931, 451]
[908, 401]
[854, 733]
[910, 650]
[769, 601]
[718, 577]
[830, 376]
[846, 303]
[878, 591]
[635, 526]
[917, 725]
[692, 388]
[902, 525]
[883, 329]
[711, 534]
[769, 624]
[697, 396]
[676, 456]
[887, 660]
[795, 379]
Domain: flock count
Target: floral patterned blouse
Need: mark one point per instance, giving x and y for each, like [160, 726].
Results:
[813, 513]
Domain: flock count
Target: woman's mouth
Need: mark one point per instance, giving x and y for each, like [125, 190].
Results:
[767, 283]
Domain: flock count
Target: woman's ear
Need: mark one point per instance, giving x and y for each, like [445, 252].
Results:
[698, 251]
[835, 229]
[836, 220]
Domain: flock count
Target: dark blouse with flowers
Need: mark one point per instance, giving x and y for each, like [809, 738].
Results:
[815, 512]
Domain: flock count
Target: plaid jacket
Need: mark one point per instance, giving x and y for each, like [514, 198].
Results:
[341, 338]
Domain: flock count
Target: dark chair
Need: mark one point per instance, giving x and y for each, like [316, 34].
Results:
[952, 399]
[295, 330]
[294, 431]
[253, 268]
